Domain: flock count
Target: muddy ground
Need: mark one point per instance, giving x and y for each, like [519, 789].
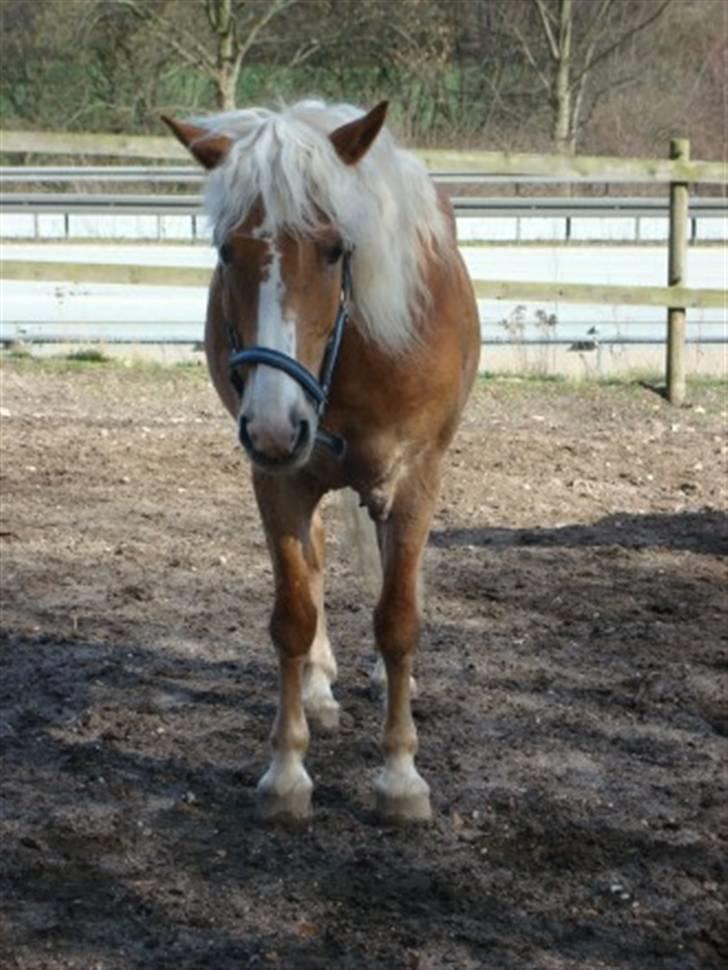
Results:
[572, 714]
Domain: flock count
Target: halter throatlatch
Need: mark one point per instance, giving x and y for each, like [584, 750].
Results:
[317, 389]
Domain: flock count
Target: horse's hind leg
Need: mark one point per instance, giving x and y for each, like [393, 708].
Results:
[320, 669]
[284, 791]
[401, 793]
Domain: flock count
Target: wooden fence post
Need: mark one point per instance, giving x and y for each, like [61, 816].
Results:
[677, 263]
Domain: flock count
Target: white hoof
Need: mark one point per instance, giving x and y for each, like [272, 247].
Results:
[402, 797]
[284, 795]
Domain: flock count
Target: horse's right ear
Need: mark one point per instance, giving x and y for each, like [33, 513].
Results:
[207, 147]
[352, 140]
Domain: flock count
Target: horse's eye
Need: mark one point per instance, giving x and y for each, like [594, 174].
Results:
[226, 254]
[333, 255]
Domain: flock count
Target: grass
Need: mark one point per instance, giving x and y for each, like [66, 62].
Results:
[535, 378]
[634, 378]
[708, 394]
[88, 355]
[16, 354]
[93, 359]
[516, 376]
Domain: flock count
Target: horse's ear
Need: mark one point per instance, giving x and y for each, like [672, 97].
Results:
[207, 147]
[352, 140]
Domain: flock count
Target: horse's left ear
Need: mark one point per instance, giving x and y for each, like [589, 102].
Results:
[208, 148]
[352, 140]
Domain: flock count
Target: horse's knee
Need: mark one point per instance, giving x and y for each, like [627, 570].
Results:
[397, 624]
[293, 623]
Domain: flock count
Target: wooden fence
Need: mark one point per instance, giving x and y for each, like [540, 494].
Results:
[678, 171]
[585, 293]
[567, 168]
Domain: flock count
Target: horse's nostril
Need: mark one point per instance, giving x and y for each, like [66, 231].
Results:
[303, 436]
[276, 444]
[244, 435]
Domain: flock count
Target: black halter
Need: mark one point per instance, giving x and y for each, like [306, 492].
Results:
[317, 389]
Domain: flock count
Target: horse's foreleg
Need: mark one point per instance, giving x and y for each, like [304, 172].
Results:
[401, 792]
[320, 669]
[284, 791]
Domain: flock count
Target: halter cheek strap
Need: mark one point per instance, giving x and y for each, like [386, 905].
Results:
[317, 389]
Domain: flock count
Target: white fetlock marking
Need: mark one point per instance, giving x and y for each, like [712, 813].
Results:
[320, 704]
[399, 779]
[316, 687]
[321, 655]
[285, 774]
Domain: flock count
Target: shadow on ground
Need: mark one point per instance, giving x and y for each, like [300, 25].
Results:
[572, 726]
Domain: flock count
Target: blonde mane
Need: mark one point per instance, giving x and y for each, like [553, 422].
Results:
[385, 206]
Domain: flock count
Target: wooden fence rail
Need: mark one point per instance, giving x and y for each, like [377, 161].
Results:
[586, 293]
[568, 168]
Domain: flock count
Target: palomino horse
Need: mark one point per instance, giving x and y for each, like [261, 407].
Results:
[342, 336]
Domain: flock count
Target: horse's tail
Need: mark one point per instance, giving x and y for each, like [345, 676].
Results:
[362, 538]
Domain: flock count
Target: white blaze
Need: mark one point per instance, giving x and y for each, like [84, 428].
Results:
[270, 394]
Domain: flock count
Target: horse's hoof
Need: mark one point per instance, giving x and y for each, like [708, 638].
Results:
[324, 718]
[403, 809]
[294, 806]
[397, 802]
[290, 804]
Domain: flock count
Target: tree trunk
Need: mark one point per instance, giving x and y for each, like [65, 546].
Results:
[563, 129]
[225, 84]
[228, 64]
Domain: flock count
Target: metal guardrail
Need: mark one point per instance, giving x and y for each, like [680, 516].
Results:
[189, 174]
[518, 207]
[154, 174]
[97, 204]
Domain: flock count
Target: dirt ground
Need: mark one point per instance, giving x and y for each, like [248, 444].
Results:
[573, 710]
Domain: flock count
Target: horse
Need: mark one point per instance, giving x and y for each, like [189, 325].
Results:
[342, 335]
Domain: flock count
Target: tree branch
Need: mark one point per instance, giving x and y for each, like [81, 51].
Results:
[531, 59]
[164, 27]
[212, 18]
[597, 18]
[275, 8]
[620, 40]
[608, 88]
[545, 15]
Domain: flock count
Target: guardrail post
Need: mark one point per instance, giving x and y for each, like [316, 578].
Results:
[677, 264]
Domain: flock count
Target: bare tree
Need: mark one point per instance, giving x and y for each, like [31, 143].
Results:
[520, 74]
[232, 29]
[565, 40]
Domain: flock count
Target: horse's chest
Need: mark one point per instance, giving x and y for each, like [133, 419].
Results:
[378, 478]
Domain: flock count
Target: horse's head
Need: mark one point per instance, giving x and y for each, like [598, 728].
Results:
[281, 290]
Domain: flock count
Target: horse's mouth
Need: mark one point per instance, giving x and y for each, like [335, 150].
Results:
[279, 465]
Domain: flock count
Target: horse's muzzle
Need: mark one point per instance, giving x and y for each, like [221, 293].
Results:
[276, 450]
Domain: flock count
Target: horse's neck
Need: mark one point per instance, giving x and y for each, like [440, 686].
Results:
[381, 385]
